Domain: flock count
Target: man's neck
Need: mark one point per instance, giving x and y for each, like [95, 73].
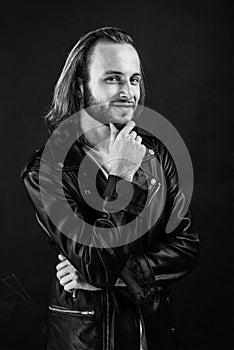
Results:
[96, 134]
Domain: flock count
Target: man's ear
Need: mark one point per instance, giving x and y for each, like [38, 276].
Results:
[80, 89]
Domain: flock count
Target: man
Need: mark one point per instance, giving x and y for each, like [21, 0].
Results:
[108, 295]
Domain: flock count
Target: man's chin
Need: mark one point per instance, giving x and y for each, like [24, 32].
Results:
[120, 126]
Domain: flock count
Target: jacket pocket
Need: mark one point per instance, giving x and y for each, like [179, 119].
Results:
[71, 328]
[78, 313]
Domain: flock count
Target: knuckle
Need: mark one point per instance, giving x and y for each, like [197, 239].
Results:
[68, 269]
[62, 282]
[138, 145]
[58, 267]
[143, 150]
[66, 287]
[73, 275]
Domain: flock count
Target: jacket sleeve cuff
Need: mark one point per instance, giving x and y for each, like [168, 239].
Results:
[139, 279]
[124, 195]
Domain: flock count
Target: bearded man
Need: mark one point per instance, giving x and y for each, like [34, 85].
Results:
[103, 191]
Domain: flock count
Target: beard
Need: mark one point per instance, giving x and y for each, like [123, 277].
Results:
[97, 109]
[101, 111]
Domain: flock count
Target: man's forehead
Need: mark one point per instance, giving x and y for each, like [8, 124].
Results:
[108, 56]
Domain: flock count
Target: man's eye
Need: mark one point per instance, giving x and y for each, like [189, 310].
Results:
[135, 81]
[112, 79]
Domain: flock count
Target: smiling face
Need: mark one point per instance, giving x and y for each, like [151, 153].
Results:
[114, 82]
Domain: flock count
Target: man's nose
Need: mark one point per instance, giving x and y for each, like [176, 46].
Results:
[126, 91]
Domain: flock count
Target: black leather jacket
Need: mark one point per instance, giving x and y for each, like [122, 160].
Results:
[114, 317]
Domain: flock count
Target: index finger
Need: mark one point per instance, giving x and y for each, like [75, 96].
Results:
[128, 127]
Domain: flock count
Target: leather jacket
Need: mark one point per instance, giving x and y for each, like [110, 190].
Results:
[137, 315]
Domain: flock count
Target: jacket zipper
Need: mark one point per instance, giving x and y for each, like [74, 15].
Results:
[107, 321]
[155, 191]
[72, 312]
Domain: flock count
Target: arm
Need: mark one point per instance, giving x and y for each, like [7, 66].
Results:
[173, 255]
[170, 257]
[69, 279]
[97, 266]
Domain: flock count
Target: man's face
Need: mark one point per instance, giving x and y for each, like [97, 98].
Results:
[114, 83]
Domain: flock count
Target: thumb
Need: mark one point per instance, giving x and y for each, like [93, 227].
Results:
[61, 257]
[113, 132]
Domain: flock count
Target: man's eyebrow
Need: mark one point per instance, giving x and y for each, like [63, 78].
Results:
[119, 73]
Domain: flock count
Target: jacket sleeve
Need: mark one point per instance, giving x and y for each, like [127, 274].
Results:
[171, 256]
[100, 267]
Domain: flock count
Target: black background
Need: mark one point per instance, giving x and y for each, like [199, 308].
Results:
[187, 53]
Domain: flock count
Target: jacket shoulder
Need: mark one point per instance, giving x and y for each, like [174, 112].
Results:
[151, 141]
[162, 153]
[34, 162]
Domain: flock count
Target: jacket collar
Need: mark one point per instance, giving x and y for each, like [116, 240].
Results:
[66, 144]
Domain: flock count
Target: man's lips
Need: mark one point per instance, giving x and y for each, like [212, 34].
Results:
[123, 104]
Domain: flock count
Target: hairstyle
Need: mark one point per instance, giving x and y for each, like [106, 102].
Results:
[66, 98]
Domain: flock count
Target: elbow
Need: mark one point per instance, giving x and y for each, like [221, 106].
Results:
[192, 257]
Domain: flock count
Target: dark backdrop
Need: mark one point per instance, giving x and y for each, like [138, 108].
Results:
[186, 48]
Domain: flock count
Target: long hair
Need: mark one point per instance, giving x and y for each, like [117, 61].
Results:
[66, 100]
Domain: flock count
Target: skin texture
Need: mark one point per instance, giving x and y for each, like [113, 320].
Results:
[110, 97]
[68, 276]
[105, 90]
[114, 76]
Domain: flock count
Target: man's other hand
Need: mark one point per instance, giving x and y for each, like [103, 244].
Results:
[69, 278]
